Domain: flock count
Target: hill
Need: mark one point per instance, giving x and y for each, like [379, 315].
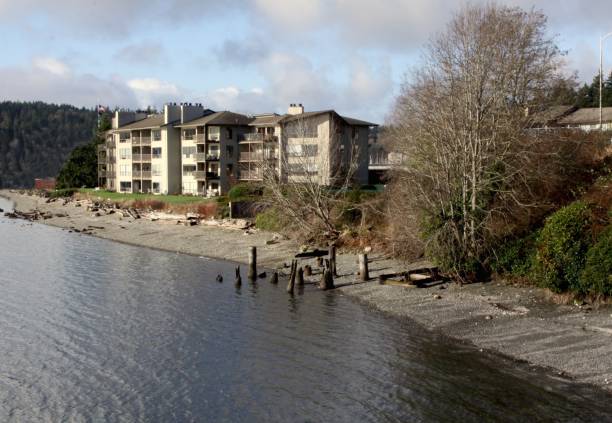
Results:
[36, 138]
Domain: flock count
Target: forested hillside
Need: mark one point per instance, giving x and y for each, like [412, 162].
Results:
[36, 138]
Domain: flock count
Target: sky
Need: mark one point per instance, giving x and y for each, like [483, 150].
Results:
[248, 56]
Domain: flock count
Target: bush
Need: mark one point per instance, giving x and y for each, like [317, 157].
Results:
[516, 256]
[207, 210]
[561, 248]
[244, 190]
[269, 220]
[597, 275]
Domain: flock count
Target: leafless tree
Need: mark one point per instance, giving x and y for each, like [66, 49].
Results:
[313, 172]
[460, 122]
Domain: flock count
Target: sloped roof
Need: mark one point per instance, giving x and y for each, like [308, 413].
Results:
[266, 120]
[219, 118]
[357, 122]
[347, 120]
[551, 115]
[153, 121]
[587, 116]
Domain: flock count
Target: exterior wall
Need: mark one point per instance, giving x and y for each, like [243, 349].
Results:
[301, 133]
[171, 160]
[189, 184]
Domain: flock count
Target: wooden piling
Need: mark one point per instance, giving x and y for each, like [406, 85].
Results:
[300, 276]
[238, 277]
[274, 278]
[320, 261]
[363, 267]
[332, 259]
[252, 274]
[292, 275]
[307, 270]
[327, 280]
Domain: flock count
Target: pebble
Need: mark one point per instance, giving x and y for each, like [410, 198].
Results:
[437, 297]
[488, 317]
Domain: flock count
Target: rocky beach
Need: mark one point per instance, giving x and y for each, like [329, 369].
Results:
[574, 341]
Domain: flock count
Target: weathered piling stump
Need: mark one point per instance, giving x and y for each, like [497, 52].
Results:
[327, 280]
[238, 277]
[320, 261]
[300, 276]
[332, 259]
[252, 273]
[363, 267]
[307, 270]
[274, 278]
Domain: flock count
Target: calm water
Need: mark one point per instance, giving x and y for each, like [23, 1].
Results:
[91, 330]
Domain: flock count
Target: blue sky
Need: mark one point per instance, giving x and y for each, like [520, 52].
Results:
[248, 56]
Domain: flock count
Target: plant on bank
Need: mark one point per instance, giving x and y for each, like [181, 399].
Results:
[561, 248]
[597, 275]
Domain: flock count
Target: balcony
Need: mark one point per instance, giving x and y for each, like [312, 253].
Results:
[141, 174]
[199, 174]
[212, 175]
[101, 147]
[141, 157]
[256, 138]
[199, 138]
[200, 157]
[257, 156]
[141, 140]
[250, 175]
[110, 159]
[102, 173]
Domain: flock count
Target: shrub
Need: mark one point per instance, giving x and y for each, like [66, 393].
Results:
[597, 275]
[561, 248]
[149, 205]
[516, 256]
[269, 220]
[240, 191]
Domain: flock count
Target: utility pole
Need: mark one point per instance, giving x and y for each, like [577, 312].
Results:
[601, 40]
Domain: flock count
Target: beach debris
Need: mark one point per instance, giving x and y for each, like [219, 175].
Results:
[262, 275]
[488, 317]
[437, 297]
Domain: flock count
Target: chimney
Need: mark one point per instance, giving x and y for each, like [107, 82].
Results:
[295, 109]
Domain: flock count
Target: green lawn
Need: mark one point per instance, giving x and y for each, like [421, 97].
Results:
[170, 199]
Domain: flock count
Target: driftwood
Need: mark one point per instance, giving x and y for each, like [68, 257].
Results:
[312, 254]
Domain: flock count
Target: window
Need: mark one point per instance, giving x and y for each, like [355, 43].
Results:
[190, 187]
[156, 187]
[125, 153]
[229, 133]
[310, 150]
[156, 169]
[188, 170]
[189, 134]
[156, 152]
[301, 169]
[126, 186]
[229, 149]
[124, 136]
[214, 133]
[125, 170]
[156, 135]
[294, 150]
[188, 151]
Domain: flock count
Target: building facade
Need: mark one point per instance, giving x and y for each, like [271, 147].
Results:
[194, 151]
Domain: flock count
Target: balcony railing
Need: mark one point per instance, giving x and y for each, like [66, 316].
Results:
[212, 175]
[257, 137]
[141, 174]
[256, 156]
[141, 157]
[141, 140]
[102, 173]
[101, 147]
[199, 174]
[110, 159]
[250, 175]
[200, 157]
[199, 138]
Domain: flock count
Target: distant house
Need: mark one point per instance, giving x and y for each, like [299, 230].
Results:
[46, 184]
[587, 119]
[549, 118]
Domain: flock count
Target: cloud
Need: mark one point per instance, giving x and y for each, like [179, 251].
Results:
[243, 52]
[152, 91]
[147, 52]
[51, 65]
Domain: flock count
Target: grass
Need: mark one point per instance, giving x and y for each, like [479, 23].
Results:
[168, 199]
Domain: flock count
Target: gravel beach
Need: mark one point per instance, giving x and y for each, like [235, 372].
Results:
[517, 322]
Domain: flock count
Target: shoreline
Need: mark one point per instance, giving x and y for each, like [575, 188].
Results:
[518, 323]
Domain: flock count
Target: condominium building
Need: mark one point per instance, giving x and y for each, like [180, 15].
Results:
[191, 150]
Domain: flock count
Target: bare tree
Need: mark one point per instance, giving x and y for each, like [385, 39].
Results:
[312, 174]
[461, 123]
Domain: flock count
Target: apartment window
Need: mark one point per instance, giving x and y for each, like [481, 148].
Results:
[189, 151]
[156, 152]
[125, 153]
[188, 170]
[229, 133]
[310, 150]
[302, 168]
[125, 186]
[156, 169]
[214, 133]
[229, 150]
[156, 187]
[294, 150]
[230, 169]
[189, 134]
[124, 136]
[125, 170]
[156, 135]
